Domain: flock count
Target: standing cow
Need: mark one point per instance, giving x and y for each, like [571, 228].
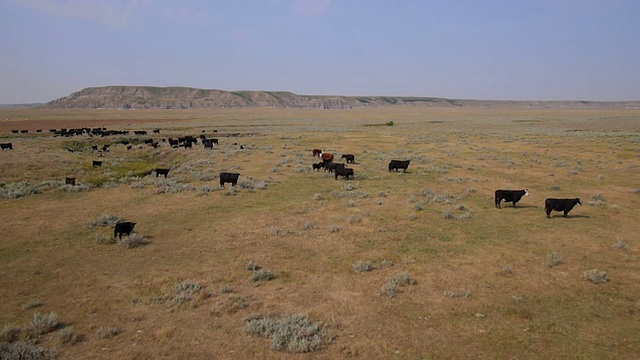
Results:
[326, 157]
[512, 196]
[70, 181]
[350, 158]
[564, 205]
[316, 152]
[226, 177]
[399, 164]
[123, 228]
[162, 171]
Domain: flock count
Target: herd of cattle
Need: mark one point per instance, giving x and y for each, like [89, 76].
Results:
[326, 163]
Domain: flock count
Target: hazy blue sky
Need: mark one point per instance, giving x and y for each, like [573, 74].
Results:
[470, 49]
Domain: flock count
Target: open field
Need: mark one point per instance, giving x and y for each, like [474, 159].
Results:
[483, 283]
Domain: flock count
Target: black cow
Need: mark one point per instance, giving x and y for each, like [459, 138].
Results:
[512, 196]
[156, 131]
[208, 144]
[344, 172]
[8, 146]
[97, 163]
[70, 181]
[399, 164]
[173, 142]
[148, 141]
[349, 158]
[226, 177]
[162, 171]
[564, 205]
[129, 147]
[94, 147]
[331, 167]
[317, 166]
[123, 228]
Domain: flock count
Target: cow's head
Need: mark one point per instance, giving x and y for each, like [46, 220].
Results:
[578, 201]
[526, 192]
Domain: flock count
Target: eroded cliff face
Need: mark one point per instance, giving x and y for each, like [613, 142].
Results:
[148, 97]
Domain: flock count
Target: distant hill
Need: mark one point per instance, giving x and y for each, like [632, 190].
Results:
[148, 97]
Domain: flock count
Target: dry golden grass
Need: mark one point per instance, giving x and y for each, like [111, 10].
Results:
[484, 289]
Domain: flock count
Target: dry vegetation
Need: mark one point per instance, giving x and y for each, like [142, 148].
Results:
[388, 265]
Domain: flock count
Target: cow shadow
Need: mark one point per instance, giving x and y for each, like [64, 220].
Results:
[559, 216]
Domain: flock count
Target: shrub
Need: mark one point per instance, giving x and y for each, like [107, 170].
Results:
[463, 293]
[597, 199]
[353, 218]
[17, 190]
[106, 220]
[390, 123]
[554, 259]
[390, 287]
[109, 331]
[43, 323]
[621, 245]
[68, 336]
[361, 266]
[291, 333]
[104, 239]
[334, 228]
[262, 275]
[253, 266]
[595, 276]
[24, 350]
[133, 240]
[233, 304]
[9, 334]
[31, 304]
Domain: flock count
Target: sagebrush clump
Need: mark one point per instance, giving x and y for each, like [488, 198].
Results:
[291, 333]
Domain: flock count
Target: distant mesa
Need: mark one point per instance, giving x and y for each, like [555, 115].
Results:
[149, 97]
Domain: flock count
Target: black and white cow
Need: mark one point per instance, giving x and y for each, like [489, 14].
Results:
[399, 164]
[350, 158]
[162, 171]
[564, 205]
[123, 228]
[344, 172]
[226, 177]
[8, 146]
[512, 196]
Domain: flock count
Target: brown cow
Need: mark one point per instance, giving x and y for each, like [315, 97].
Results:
[326, 157]
[317, 152]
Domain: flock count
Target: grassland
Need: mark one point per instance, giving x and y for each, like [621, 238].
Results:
[486, 283]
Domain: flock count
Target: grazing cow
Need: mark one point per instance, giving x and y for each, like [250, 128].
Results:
[129, 147]
[140, 132]
[226, 177]
[162, 171]
[344, 172]
[326, 157]
[123, 228]
[156, 131]
[399, 164]
[148, 141]
[317, 152]
[173, 142]
[349, 157]
[70, 181]
[215, 141]
[39, 130]
[318, 166]
[207, 144]
[94, 147]
[105, 147]
[24, 131]
[97, 163]
[512, 196]
[8, 146]
[15, 131]
[331, 167]
[564, 205]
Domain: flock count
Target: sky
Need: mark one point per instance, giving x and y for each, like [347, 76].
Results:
[459, 49]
